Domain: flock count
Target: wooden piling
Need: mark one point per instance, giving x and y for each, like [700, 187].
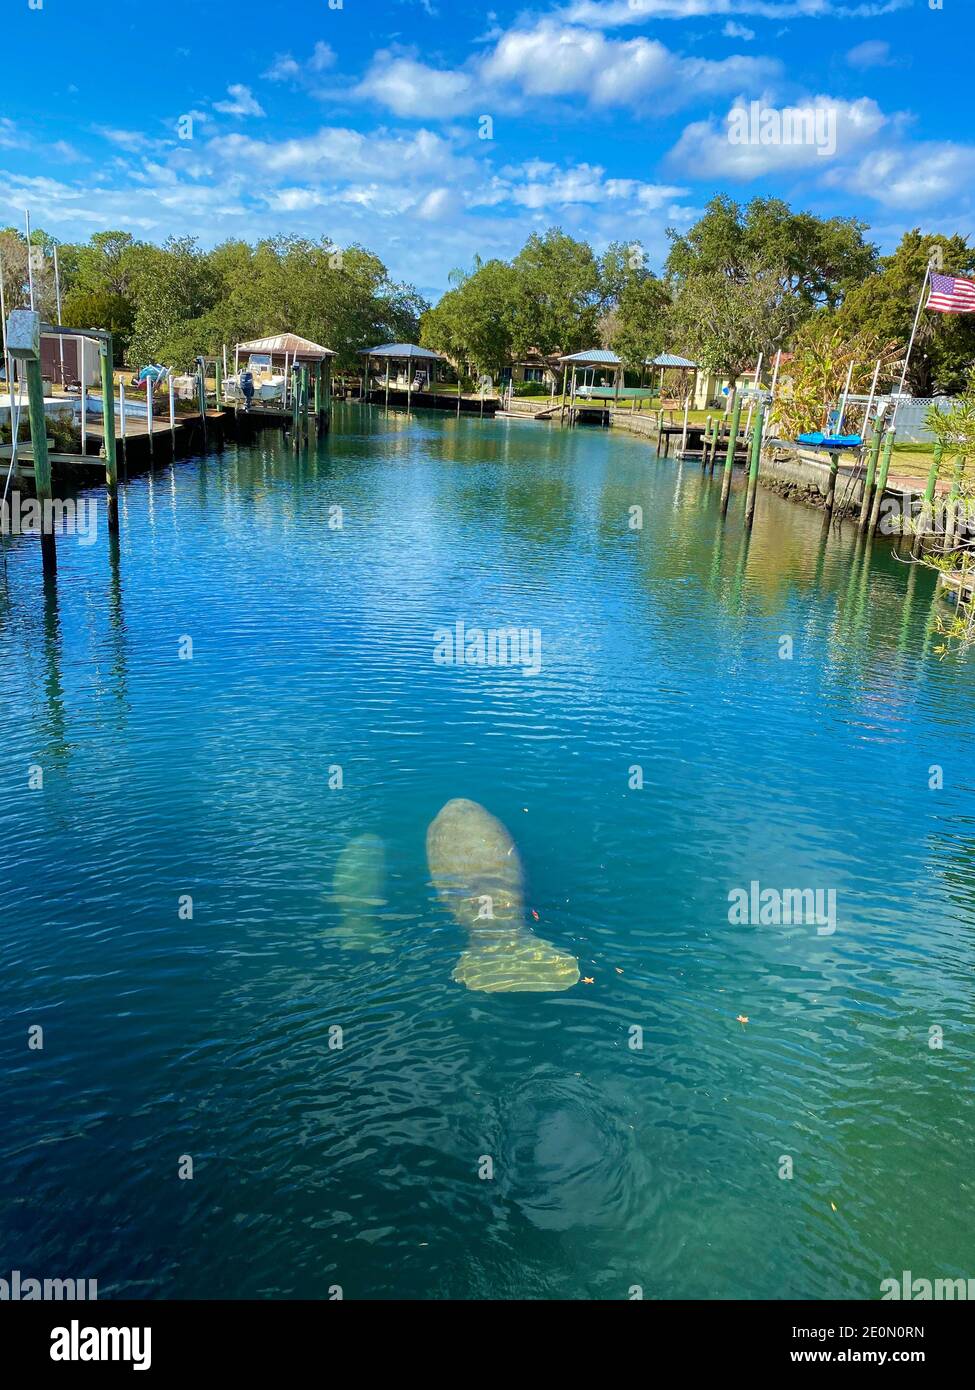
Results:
[108, 423]
[705, 444]
[756, 454]
[951, 511]
[882, 480]
[868, 482]
[31, 367]
[729, 463]
[927, 501]
[834, 471]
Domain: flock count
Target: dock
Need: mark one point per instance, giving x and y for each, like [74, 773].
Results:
[139, 450]
[401, 399]
[694, 447]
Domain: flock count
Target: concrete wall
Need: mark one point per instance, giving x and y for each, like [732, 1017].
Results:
[636, 424]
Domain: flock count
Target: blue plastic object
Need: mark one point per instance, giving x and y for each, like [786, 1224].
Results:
[831, 441]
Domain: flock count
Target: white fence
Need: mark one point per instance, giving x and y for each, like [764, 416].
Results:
[912, 414]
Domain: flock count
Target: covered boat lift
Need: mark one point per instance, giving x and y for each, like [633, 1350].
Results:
[413, 364]
[590, 362]
[290, 354]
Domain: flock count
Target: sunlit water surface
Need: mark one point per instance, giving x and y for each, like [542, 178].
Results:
[361, 1166]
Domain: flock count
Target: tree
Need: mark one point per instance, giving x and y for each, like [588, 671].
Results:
[13, 254]
[474, 323]
[559, 297]
[818, 372]
[726, 322]
[637, 327]
[817, 260]
[887, 301]
[176, 288]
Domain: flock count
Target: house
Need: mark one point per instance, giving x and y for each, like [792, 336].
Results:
[534, 367]
[711, 389]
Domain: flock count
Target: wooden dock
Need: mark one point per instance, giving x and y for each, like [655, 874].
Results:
[694, 448]
[139, 450]
[435, 400]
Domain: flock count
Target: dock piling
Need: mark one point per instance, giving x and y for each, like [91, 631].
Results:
[729, 463]
[868, 482]
[834, 470]
[927, 501]
[881, 481]
[756, 453]
[108, 422]
[42, 464]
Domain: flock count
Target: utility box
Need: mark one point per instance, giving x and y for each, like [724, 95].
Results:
[24, 335]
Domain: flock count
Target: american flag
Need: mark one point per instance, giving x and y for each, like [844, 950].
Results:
[950, 295]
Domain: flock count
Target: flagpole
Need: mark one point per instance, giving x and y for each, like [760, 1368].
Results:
[30, 267]
[910, 346]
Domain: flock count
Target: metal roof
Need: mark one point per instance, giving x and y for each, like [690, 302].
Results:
[594, 357]
[667, 359]
[403, 350]
[291, 343]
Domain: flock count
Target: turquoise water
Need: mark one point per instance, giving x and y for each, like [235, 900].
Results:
[613, 1166]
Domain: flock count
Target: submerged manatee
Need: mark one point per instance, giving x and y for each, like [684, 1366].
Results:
[359, 889]
[478, 876]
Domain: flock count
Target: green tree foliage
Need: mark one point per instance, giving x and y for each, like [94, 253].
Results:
[13, 255]
[560, 294]
[637, 328]
[188, 301]
[818, 260]
[556, 296]
[101, 279]
[474, 323]
[816, 377]
[887, 302]
[725, 322]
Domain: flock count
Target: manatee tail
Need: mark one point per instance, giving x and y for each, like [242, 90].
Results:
[520, 964]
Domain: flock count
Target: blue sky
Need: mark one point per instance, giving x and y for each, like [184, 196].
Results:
[363, 120]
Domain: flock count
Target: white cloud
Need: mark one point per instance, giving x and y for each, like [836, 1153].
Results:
[242, 102]
[733, 30]
[927, 174]
[323, 56]
[338, 152]
[538, 184]
[410, 88]
[59, 151]
[283, 69]
[609, 14]
[874, 53]
[437, 204]
[550, 61]
[705, 147]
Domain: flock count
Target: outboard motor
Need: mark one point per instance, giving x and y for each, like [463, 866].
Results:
[247, 388]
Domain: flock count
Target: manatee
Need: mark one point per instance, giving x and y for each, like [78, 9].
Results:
[476, 870]
[359, 889]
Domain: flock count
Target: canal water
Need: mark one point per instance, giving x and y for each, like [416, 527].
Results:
[200, 719]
